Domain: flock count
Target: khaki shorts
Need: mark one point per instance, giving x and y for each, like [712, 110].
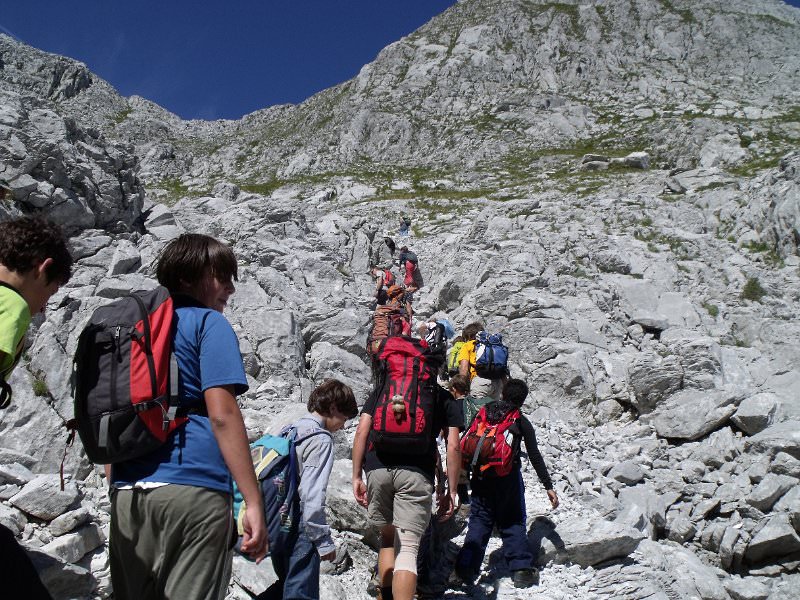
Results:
[486, 388]
[399, 497]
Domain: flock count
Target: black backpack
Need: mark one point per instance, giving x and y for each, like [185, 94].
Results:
[125, 378]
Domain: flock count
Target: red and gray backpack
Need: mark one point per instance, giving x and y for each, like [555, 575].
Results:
[406, 396]
[487, 449]
[125, 378]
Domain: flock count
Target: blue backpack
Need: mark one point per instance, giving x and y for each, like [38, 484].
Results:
[275, 463]
[491, 355]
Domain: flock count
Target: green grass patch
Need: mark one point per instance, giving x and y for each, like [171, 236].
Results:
[712, 309]
[752, 290]
[39, 385]
[771, 257]
[121, 115]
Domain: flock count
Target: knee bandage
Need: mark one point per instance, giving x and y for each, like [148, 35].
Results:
[406, 546]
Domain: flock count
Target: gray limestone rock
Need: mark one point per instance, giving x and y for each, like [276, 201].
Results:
[785, 464]
[780, 437]
[252, 577]
[627, 472]
[73, 546]
[681, 530]
[588, 544]
[770, 490]
[690, 414]
[12, 518]
[69, 521]
[755, 413]
[15, 473]
[746, 588]
[776, 538]
[63, 580]
[43, 498]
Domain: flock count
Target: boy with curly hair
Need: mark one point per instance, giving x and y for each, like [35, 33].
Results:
[34, 263]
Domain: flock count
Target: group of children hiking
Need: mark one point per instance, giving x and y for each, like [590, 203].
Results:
[479, 421]
[156, 379]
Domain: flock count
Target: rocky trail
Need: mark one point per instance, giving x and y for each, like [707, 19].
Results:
[613, 185]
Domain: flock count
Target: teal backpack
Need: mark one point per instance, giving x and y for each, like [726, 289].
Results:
[275, 463]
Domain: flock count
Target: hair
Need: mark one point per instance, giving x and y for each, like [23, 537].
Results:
[27, 242]
[390, 243]
[333, 394]
[458, 338]
[404, 249]
[471, 330]
[185, 260]
[460, 383]
[515, 391]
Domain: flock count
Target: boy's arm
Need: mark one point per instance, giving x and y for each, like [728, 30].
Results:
[359, 451]
[528, 434]
[317, 462]
[229, 431]
[453, 468]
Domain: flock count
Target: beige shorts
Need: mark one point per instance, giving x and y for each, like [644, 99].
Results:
[399, 497]
[486, 388]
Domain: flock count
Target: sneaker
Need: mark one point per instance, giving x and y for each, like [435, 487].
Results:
[525, 578]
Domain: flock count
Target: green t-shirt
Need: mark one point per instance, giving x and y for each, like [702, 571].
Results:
[15, 316]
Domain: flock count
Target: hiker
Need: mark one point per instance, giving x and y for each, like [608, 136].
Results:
[397, 450]
[171, 525]
[498, 493]
[297, 567]
[34, 263]
[459, 387]
[412, 277]
[384, 279]
[405, 226]
[451, 365]
[467, 365]
[382, 253]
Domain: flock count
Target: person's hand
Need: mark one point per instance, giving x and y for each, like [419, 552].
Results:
[360, 491]
[254, 540]
[551, 494]
[452, 503]
[329, 556]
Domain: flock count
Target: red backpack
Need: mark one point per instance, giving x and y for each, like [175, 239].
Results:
[406, 396]
[487, 448]
[125, 378]
[388, 278]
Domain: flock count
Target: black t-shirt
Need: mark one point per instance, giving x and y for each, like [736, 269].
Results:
[448, 412]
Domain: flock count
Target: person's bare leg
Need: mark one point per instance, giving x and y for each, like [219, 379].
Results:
[404, 585]
[386, 557]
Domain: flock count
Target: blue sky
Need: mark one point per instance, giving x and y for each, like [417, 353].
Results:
[212, 59]
[205, 59]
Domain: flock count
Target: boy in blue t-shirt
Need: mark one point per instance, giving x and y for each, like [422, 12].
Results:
[171, 522]
[34, 263]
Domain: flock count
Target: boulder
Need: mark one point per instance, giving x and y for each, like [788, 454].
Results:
[9, 456]
[627, 472]
[770, 490]
[73, 546]
[780, 437]
[44, 499]
[690, 414]
[252, 577]
[746, 588]
[12, 519]
[344, 513]
[63, 580]
[69, 521]
[785, 464]
[16, 474]
[681, 530]
[776, 538]
[587, 544]
[755, 413]
[653, 379]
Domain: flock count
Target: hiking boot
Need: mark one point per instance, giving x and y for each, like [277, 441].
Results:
[525, 578]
